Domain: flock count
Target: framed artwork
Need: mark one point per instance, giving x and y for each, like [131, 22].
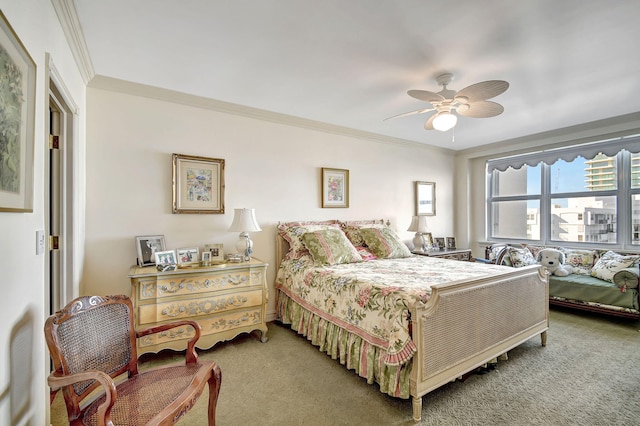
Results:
[188, 255]
[206, 256]
[198, 184]
[216, 250]
[167, 257]
[147, 246]
[440, 243]
[335, 187]
[425, 198]
[17, 120]
[451, 242]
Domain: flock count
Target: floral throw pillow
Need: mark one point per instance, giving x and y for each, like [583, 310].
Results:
[582, 261]
[352, 229]
[521, 257]
[384, 243]
[610, 263]
[330, 247]
[293, 232]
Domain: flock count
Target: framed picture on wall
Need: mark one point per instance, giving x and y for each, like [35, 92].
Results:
[198, 184]
[425, 193]
[335, 187]
[17, 121]
[147, 246]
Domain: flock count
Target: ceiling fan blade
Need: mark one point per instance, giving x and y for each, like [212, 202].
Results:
[429, 124]
[425, 95]
[481, 91]
[404, 114]
[481, 109]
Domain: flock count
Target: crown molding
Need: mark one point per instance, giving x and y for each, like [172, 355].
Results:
[68, 18]
[152, 92]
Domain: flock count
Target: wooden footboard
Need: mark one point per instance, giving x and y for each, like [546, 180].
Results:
[466, 324]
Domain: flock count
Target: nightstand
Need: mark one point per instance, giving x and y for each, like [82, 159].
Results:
[455, 254]
[225, 300]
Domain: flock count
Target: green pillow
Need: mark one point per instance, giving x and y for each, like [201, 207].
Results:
[626, 278]
[330, 247]
[384, 243]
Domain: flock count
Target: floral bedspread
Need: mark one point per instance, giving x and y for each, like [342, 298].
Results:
[371, 298]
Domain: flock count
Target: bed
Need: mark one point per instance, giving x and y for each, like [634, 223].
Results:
[408, 323]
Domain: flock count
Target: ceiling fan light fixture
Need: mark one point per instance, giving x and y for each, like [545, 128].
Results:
[444, 121]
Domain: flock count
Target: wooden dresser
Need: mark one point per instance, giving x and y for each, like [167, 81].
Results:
[455, 254]
[225, 301]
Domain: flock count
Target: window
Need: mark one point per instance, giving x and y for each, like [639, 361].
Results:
[587, 194]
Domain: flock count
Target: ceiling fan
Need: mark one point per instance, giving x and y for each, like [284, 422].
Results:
[468, 102]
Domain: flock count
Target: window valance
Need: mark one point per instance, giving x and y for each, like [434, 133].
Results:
[588, 151]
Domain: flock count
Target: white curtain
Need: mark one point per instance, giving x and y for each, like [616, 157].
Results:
[568, 154]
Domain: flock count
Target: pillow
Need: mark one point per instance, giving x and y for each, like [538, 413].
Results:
[610, 263]
[293, 232]
[384, 243]
[582, 261]
[535, 249]
[330, 247]
[521, 257]
[626, 278]
[352, 229]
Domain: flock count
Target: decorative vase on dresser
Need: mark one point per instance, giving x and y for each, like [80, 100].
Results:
[225, 300]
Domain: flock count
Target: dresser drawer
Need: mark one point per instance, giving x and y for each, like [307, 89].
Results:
[217, 324]
[192, 284]
[196, 307]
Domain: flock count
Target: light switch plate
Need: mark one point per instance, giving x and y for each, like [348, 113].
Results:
[40, 241]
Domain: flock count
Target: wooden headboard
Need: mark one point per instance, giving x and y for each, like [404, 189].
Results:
[282, 248]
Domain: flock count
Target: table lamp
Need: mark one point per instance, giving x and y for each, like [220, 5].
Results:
[420, 227]
[244, 221]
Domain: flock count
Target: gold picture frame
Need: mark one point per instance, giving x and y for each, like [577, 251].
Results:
[335, 188]
[198, 184]
[17, 107]
[425, 193]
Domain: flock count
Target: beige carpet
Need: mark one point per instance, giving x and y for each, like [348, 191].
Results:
[589, 374]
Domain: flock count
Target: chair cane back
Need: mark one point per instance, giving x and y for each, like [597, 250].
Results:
[92, 343]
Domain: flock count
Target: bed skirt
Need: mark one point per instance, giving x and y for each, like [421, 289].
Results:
[349, 349]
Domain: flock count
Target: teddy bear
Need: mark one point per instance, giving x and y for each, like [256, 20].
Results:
[553, 260]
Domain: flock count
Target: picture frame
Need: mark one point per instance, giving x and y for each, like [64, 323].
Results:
[440, 243]
[425, 194]
[167, 257]
[335, 188]
[187, 255]
[206, 257]
[451, 242]
[17, 93]
[147, 246]
[216, 250]
[428, 239]
[198, 184]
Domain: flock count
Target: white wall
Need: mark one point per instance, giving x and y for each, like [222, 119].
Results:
[271, 166]
[24, 304]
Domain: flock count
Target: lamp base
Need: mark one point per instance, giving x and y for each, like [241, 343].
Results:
[419, 242]
[244, 246]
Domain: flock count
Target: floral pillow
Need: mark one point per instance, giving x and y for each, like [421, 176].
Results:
[521, 257]
[352, 229]
[535, 249]
[293, 232]
[610, 263]
[330, 247]
[384, 243]
[582, 261]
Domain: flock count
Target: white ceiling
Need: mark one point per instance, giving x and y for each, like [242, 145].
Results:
[350, 62]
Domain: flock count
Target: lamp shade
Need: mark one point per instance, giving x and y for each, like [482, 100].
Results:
[419, 224]
[444, 121]
[244, 220]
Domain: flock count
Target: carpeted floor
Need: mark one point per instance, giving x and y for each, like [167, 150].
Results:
[589, 374]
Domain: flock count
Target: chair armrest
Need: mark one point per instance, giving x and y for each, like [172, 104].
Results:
[56, 380]
[191, 355]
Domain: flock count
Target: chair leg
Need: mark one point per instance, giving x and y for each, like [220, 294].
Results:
[214, 390]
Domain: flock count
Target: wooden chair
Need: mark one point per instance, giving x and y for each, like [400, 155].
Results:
[93, 344]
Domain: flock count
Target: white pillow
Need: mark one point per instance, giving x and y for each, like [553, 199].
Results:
[521, 257]
[610, 263]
